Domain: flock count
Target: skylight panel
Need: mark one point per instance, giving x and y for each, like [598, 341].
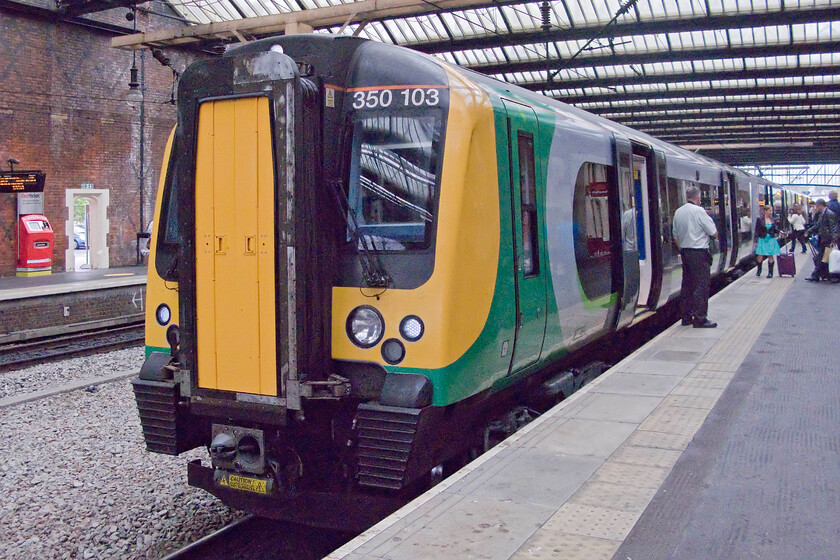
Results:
[191, 13]
[579, 16]
[821, 80]
[244, 7]
[805, 32]
[412, 30]
[821, 59]
[396, 29]
[376, 30]
[477, 22]
[448, 57]
[523, 17]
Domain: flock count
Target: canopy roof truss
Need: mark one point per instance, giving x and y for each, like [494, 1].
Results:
[744, 81]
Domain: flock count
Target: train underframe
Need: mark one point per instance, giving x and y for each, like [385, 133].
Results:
[344, 464]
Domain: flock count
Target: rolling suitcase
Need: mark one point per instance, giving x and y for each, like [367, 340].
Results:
[787, 265]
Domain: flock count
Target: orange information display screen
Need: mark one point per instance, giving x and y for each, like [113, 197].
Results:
[22, 181]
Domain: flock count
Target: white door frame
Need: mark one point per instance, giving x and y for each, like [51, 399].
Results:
[97, 239]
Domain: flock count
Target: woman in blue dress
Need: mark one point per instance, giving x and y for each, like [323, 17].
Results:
[766, 244]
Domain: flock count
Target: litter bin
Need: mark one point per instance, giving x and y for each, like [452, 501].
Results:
[35, 245]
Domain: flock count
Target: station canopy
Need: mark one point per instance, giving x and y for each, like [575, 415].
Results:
[748, 82]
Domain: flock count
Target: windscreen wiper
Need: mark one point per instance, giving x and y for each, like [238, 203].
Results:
[372, 271]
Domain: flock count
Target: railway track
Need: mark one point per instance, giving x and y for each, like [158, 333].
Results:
[255, 538]
[16, 355]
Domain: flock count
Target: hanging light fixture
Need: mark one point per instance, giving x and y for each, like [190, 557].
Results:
[135, 94]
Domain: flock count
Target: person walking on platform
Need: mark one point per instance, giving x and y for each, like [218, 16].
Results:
[766, 244]
[797, 222]
[827, 231]
[693, 229]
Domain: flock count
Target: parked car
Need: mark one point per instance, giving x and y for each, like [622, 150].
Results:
[79, 237]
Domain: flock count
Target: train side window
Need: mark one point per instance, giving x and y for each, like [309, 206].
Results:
[528, 199]
[592, 229]
[168, 240]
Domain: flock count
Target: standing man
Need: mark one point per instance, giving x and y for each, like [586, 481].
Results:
[693, 229]
[826, 229]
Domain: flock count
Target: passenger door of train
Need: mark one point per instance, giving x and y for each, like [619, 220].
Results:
[530, 270]
[626, 275]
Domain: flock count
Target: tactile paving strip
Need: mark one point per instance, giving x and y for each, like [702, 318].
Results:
[660, 440]
[691, 401]
[675, 420]
[591, 521]
[646, 456]
[613, 496]
[553, 545]
[623, 474]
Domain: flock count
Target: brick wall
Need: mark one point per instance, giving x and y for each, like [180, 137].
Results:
[41, 313]
[63, 110]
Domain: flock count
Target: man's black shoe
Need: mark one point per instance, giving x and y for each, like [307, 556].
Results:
[705, 325]
[812, 278]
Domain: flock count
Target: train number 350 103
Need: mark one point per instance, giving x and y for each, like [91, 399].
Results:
[412, 97]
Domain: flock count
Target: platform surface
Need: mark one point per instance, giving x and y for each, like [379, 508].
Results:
[705, 443]
[17, 287]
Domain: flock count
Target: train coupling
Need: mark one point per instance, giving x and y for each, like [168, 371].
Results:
[238, 456]
[239, 449]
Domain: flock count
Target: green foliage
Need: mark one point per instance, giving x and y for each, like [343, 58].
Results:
[79, 210]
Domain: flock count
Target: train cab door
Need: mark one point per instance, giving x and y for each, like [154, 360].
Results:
[235, 239]
[626, 270]
[530, 268]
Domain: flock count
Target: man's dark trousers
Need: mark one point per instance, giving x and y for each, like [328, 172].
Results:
[695, 283]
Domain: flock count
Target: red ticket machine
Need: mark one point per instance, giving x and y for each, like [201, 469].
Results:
[35, 245]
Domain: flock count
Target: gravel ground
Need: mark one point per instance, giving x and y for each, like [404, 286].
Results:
[76, 479]
[41, 377]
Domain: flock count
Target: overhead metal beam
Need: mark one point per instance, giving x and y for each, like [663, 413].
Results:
[355, 12]
[769, 156]
[685, 77]
[699, 106]
[686, 55]
[755, 137]
[643, 97]
[740, 128]
[771, 18]
[724, 117]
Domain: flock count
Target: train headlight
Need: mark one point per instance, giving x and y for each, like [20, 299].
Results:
[393, 351]
[365, 326]
[412, 328]
[163, 314]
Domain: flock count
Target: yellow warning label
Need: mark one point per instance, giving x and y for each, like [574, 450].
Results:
[245, 483]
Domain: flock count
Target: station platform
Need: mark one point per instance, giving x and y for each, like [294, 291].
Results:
[17, 287]
[705, 443]
[38, 306]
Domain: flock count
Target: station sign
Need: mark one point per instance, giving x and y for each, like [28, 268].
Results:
[30, 203]
[22, 181]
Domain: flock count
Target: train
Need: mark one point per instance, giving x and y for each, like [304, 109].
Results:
[361, 255]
